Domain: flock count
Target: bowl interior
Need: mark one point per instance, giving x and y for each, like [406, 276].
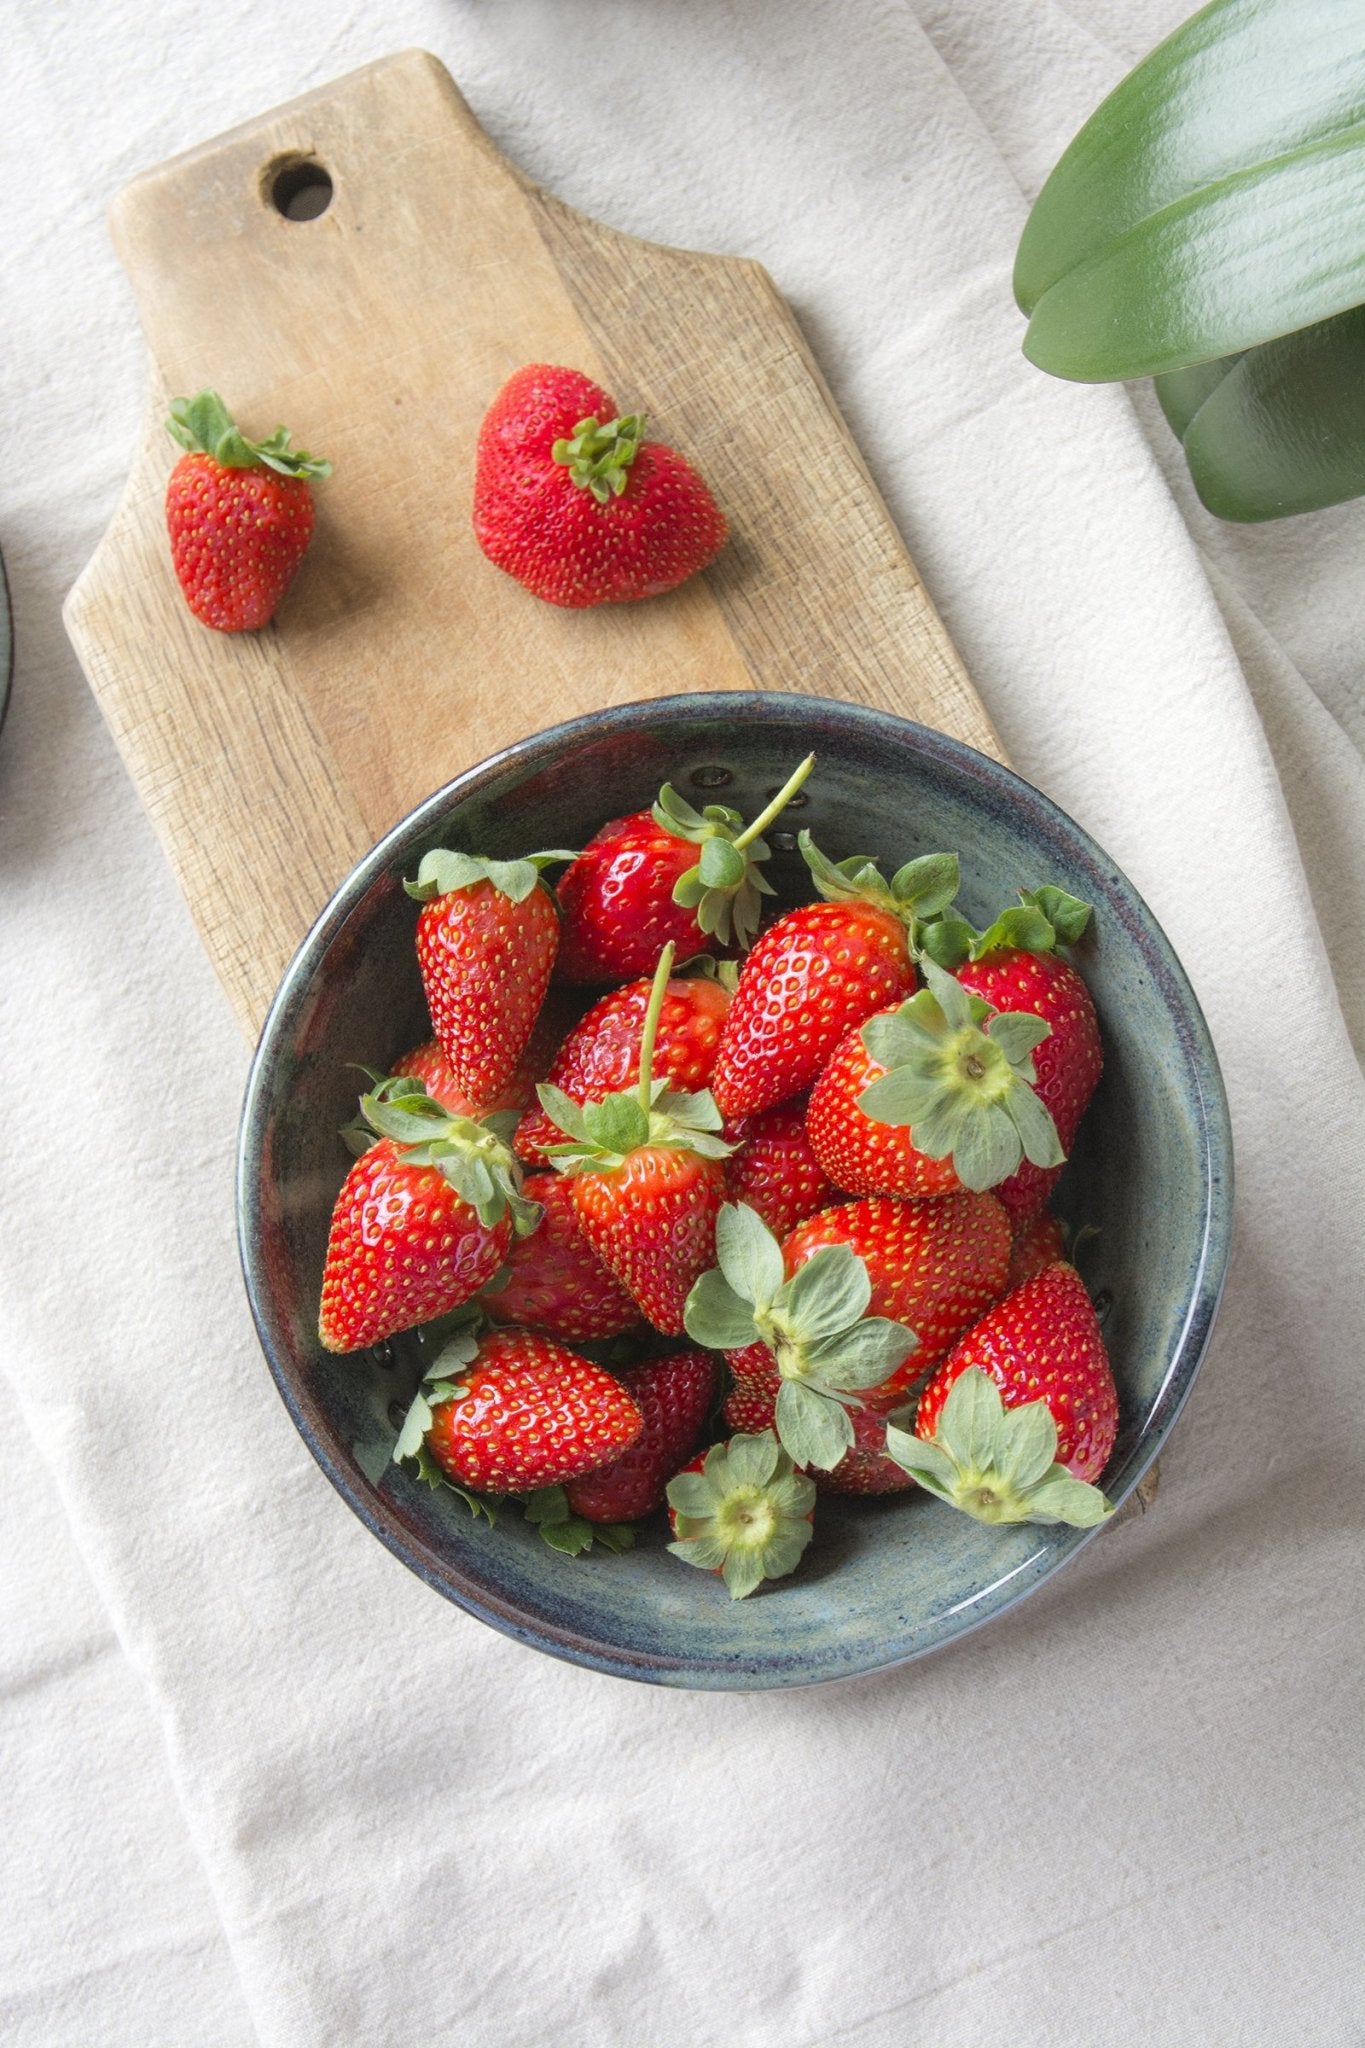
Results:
[884, 1580]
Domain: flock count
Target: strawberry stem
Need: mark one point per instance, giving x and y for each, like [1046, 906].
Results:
[651, 1028]
[778, 804]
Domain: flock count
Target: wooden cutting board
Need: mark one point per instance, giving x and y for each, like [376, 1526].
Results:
[377, 331]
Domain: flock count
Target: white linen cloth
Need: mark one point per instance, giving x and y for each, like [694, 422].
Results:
[266, 1787]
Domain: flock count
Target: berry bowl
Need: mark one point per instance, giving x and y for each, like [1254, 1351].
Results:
[885, 1579]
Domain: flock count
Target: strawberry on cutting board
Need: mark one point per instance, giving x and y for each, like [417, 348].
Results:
[572, 501]
[821, 969]
[601, 1055]
[648, 1175]
[1022, 1415]
[422, 1221]
[671, 874]
[487, 938]
[239, 514]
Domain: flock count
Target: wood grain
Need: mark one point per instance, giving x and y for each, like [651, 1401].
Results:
[378, 333]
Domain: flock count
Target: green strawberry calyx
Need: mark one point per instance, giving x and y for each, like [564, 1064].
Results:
[442, 871]
[824, 1344]
[204, 426]
[996, 1463]
[727, 885]
[960, 1074]
[1042, 920]
[746, 1513]
[598, 455]
[924, 888]
[600, 1136]
[473, 1157]
[443, 1382]
[571, 1534]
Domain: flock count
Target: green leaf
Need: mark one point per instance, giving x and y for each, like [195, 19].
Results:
[863, 1356]
[1023, 925]
[1214, 201]
[747, 1253]
[826, 1294]
[416, 1423]
[565, 1114]
[1017, 1032]
[572, 1537]
[1283, 430]
[673, 813]
[948, 941]
[742, 1572]
[546, 1504]
[751, 1460]
[1182, 392]
[1029, 1443]
[706, 1552]
[1063, 1498]
[618, 1123]
[971, 1424]
[692, 1494]
[722, 865]
[1068, 915]
[929, 884]
[813, 1428]
[615, 1536]
[715, 1316]
[1037, 1133]
[923, 1459]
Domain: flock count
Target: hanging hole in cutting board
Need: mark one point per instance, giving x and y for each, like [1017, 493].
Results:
[298, 187]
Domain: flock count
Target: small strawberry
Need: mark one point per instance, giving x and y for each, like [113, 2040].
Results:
[673, 1395]
[601, 1055]
[239, 514]
[486, 943]
[813, 1328]
[1014, 966]
[573, 502]
[513, 1411]
[751, 1405]
[775, 1171]
[742, 1510]
[934, 1265]
[940, 1095]
[428, 1064]
[821, 969]
[648, 1177]
[670, 873]
[1022, 1415]
[553, 1280]
[423, 1219]
[1039, 1243]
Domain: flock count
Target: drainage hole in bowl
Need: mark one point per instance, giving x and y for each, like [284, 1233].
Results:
[710, 778]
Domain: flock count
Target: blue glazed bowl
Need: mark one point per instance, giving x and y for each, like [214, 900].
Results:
[885, 1580]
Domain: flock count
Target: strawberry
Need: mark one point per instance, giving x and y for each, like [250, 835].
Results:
[422, 1221]
[775, 1172]
[1022, 1414]
[648, 1177]
[513, 1411]
[667, 874]
[428, 1064]
[940, 1095]
[601, 1055]
[553, 1280]
[573, 502]
[673, 1395]
[741, 1510]
[812, 1328]
[751, 1405]
[486, 943]
[239, 514]
[935, 1265]
[1039, 1243]
[821, 969]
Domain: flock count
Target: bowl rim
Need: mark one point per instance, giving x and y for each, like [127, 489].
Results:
[704, 707]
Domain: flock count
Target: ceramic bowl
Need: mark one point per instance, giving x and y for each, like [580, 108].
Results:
[884, 1580]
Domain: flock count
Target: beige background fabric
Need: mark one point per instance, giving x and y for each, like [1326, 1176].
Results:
[264, 1787]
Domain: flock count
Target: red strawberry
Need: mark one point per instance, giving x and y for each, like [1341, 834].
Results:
[775, 1171]
[1022, 1414]
[486, 943]
[525, 1412]
[423, 1220]
[1038, 1244]
[802, 1342]
[866, 1468]
[239, 514]
[1042, 1342]
[572, 501]
[670, 873]
[821, 969]
[673, 1395]
[601, 1055]
[648, 1178]
[555, 1281]
[428, 1064]
[862, 1156]
[1068, 1062]
[934, 1265]
[740, 1509]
